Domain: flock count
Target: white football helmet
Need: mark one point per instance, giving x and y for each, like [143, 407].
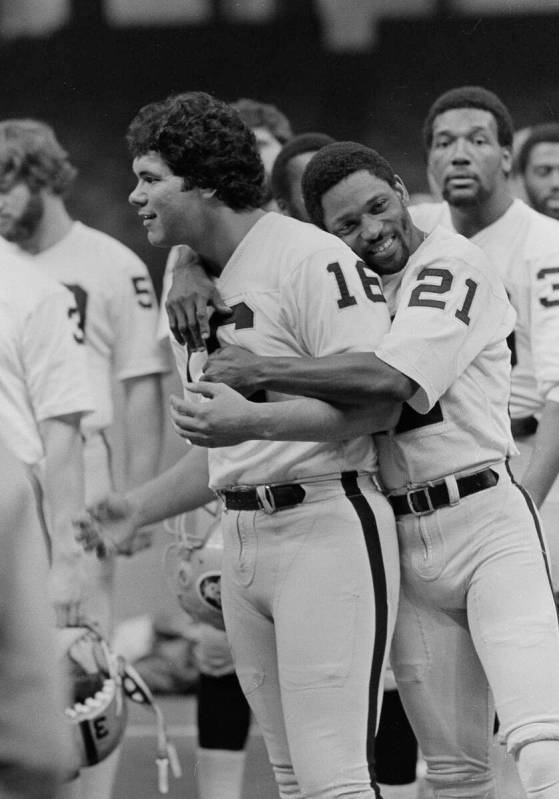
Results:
[100, 681]
[192, 567]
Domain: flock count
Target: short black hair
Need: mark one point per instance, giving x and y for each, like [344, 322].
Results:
[332, 164]
[304, 143]
[204, 141]
[470, 97]
[548, 132]
[264, 115]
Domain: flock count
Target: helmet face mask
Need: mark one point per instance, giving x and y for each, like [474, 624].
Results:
[97, 712]
[192, 567]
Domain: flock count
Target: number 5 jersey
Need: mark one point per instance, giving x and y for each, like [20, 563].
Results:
[451, 319]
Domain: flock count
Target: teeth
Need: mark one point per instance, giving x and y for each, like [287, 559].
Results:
[379, 250]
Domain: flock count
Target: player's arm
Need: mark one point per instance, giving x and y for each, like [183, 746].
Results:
[113, 522]
[63, 486]
[226, 418]
[143, 427]
[356, 378]
[543, 466]
[191, 292]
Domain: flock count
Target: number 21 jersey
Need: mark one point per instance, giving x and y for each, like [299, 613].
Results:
[452, 317]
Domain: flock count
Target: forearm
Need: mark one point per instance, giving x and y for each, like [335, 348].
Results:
[352, 378]
[181, 488]
[63, 482]
[306, 419]
[543, 465]
[143, 428]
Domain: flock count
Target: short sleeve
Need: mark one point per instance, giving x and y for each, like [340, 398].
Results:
[134, 313]
[449, 310]
[334, 304]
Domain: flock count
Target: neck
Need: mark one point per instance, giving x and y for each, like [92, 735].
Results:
[469, 220]
[54, 225]
[224, 234]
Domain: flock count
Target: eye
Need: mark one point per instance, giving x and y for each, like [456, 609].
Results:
[480, 140]
[346, 229]
[441, 144]
[379, 206]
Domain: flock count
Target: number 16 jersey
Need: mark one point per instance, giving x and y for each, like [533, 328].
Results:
[451, 320]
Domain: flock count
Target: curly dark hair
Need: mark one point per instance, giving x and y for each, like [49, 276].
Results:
[333, 163]
[304, 143]
[470, 97]
[30, 152]
[204, 141]
[548, 132]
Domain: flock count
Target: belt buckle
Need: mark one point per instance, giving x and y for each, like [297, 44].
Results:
[266, 498]
[421, 492]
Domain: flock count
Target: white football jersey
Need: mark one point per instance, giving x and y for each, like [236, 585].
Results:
[296, 291]
[117, 311]
[43, 366]
[448, 334]
[523, 245]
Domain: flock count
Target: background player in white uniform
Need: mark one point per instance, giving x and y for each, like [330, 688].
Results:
[537, 163]
[34, 740]
[300, 530]
[468, 137]
[287, 172]
[476, 607]
[116, 317]
[44, 394]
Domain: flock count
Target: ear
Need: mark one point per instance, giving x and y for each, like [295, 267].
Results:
[401, 190]
[283, 206]
[506, 160]
[207, 194]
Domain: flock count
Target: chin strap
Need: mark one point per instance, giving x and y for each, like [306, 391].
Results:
[137, 691]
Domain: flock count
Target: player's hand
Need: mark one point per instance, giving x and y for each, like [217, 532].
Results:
[221, 420]
[67, 588]
[234, 366]
[187, 303]
[211, 650]
[110, 527]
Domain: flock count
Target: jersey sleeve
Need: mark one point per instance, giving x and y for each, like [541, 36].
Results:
[448, 311]
[137, 350]
[545, 325]
[334, 304]
[54, 358]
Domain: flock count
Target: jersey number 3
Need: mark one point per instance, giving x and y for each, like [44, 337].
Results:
[423, 295]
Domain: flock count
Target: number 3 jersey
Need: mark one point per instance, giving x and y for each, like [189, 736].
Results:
[452, 317]
[116, 314]
[296, 291]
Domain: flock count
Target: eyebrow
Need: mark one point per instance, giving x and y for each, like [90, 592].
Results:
[447, 132]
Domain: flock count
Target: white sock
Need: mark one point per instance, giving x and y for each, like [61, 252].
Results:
[220, 773]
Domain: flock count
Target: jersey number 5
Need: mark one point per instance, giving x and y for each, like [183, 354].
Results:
[423, 295]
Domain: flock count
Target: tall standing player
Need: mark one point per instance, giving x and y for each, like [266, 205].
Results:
[468, 139]
[307, 535]
[477, 619]
[116, 318]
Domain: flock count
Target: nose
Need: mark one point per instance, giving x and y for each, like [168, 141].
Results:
[136, 197]
[371, 228]
[460, 152]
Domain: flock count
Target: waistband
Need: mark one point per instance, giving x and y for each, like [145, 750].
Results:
[271, 497]
[443, 493]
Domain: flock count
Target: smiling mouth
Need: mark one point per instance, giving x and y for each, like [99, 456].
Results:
[147, 218]
[380, 249]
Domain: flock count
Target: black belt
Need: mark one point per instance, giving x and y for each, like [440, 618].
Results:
[425, 500]
[526, 426]
[268, 498]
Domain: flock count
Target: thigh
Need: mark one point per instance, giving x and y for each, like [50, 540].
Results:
[334, 614]
[514, 622]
